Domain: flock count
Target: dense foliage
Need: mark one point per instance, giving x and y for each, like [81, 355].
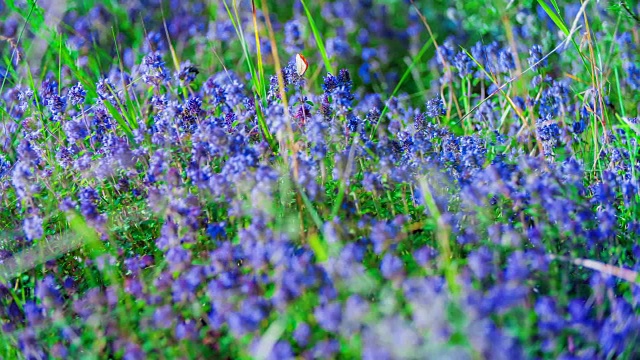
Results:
[447, 180]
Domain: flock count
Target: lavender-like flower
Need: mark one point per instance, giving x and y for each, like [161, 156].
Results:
[435, 107]
[33, 228]
[77, 94]
[293, 39]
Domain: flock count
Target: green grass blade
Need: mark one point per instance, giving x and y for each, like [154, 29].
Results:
[554, 17]
[119, 119]
[262, 123]
[319, 248]
[239, 32]
[254, 75]
[500, 87]
[404, 77]
[13, 52]
[563, 27]
[261, 78]
[312, 211]
[619, 90]
[318, 37]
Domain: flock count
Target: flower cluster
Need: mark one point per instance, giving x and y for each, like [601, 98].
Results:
[164, 210]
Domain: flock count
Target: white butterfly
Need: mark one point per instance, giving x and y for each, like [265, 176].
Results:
[301, 64]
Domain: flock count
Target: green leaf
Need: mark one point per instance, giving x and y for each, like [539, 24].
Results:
[556, 19]
[119, 119]
[563, 27]
[318, 37]
[318, 248]
[404, 77]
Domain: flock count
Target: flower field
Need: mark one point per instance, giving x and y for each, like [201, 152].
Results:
[329, 179]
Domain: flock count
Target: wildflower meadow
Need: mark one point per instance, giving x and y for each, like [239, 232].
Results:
[319, 179]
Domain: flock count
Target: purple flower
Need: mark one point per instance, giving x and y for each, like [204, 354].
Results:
[506, 60]
[464, 64]
[77, 94]
[301, 334]
[154, 70]
[330, 83]
[48, 293]
[60, 351]
[187, 73]
[535, 55]
[186, 329]
[106, 90]
[435, 107]
[33, 313]
[481, 262]
[325, 349]
[344, 78]
[391, 266]
[517, 267]
[338, 47]
[178, 258]
[633, 73]
[329, 316]
[33, 228]
[217, 231]
[133, 352]
[424, 255]
[549, 320]
[293, 39]
[163, 317]
[356, 309]
[281, 350]
[29, 345]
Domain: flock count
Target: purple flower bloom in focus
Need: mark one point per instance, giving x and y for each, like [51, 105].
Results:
[77, 94]
[435, 107]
